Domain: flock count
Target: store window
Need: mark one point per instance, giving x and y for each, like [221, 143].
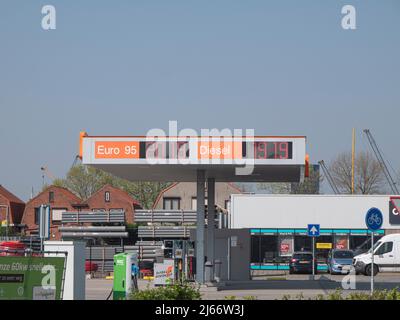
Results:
[269, 249]
[286, 246]
[255, 254]
[322, 254]
[171, 203]
[302, 243]
[359, 242]
[341, 242]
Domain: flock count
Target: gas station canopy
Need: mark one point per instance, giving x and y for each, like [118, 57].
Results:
[141, 158]
[201, 160]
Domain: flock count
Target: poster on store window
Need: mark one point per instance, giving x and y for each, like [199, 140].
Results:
[341, 242]
[286, 246]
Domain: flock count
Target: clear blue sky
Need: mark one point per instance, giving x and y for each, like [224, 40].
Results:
[124, 67]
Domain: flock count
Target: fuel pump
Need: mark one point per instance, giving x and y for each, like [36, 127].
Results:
[190, 260]
[178, 254]
[126, 271]
[182, 251]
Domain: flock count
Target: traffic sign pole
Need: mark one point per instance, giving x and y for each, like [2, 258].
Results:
[313, 231]
[313, 258]
[374, 221]
[372, 263]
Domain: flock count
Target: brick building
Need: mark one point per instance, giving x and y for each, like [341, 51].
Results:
[11, 209]
[59, 199]
[182, 196]
[109, 198]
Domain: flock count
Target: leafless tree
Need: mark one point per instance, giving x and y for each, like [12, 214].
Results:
[368, 174]
[310, 185]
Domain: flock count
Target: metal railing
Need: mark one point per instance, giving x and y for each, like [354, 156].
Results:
[165, 231]
[93, 216]
[93, 232]
[103, 256]
[174, 216]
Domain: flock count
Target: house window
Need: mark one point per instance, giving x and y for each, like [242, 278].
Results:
[56, 214]
[107, 196]
[116, 210]
[172, 204]
[227, 204]
[194, 203]
[51, 196]
[37, 216]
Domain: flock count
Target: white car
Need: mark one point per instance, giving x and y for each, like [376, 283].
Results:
[386, 256]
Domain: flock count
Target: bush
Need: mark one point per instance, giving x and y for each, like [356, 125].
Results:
[178, 291]
[393, 294]
[250, 298]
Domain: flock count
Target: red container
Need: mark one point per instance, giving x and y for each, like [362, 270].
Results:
[12, 248]
[91, 266]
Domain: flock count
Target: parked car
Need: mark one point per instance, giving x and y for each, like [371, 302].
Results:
[302, 262]
[12, 248]
[386, 256]
[340, 261]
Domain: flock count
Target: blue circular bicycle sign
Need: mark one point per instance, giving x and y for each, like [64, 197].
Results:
[374, 219]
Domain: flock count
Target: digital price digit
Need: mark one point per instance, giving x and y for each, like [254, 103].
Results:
[264, 150]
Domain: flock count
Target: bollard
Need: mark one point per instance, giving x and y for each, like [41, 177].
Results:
[217, 270]
[208, 271]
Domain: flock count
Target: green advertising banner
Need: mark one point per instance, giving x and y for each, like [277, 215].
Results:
[31, 278]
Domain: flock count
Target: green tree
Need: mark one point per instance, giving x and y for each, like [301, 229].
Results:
[84, 181]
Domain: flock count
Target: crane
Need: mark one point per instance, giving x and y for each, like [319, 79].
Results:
[329, 177]
[46, 172]
[381, 161]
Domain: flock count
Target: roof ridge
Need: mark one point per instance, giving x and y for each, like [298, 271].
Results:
[158, 198]
[54, 186]
[116, 188]
[9, 195]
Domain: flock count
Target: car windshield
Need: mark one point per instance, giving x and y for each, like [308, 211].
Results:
[343, 255]
[303, 256]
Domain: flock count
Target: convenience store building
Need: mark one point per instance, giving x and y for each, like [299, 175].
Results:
[277, 224]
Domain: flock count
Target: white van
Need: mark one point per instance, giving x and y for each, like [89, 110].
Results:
[386, 256]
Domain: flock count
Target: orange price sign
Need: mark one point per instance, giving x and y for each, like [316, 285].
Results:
[210, 149]
[117, 150]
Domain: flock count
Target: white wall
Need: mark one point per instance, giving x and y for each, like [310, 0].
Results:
[74, 285]
[294, 211]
